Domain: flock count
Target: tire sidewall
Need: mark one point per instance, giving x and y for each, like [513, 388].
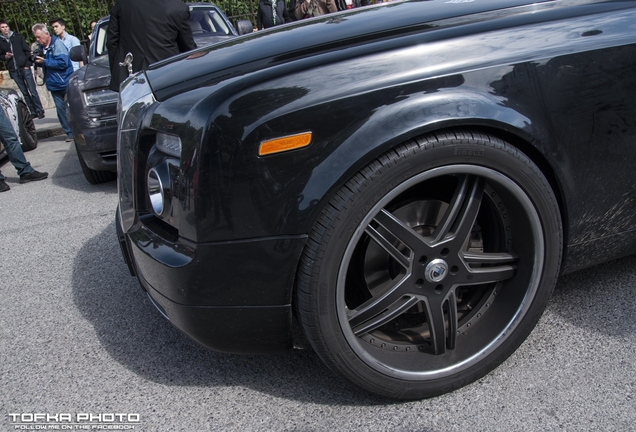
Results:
[29, 142]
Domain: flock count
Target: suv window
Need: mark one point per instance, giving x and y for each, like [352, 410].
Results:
[100, 40]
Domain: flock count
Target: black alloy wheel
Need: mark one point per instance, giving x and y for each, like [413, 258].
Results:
[28, 134]
[430, 266]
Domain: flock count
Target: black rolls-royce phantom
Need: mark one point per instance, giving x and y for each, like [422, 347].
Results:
[402, 184]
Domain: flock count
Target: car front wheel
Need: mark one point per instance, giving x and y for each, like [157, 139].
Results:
[431, 265]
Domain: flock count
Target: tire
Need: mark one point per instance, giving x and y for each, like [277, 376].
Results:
[430, 266]
[94, 176]
[28, 134]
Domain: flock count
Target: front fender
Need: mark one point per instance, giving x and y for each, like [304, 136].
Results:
[284, 193]
[417, 114]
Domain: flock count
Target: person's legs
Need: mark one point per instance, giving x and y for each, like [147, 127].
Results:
[60, 107]
[12, 145]
[27, 75]
[19, 80]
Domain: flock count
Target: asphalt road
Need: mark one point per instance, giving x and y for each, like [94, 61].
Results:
[78, 337]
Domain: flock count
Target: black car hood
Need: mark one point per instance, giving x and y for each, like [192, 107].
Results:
[96, 74]
[307, 38]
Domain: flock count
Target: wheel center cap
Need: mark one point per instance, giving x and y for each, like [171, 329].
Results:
[436, 270]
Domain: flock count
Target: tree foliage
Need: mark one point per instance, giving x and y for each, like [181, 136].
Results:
[78, 14]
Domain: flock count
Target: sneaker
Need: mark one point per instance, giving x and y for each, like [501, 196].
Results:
[69, 138]
[41, 115]
[33, 176]
[4, 186]
[34, 116]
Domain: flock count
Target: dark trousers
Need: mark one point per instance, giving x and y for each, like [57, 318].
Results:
[24, 79]
[10, 141]
[60, 107]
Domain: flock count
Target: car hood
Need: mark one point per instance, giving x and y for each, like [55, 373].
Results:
[96, 74]
[307, 38]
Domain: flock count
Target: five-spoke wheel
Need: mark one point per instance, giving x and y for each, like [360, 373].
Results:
[430, 266]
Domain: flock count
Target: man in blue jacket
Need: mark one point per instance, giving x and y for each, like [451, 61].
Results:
[56, 63]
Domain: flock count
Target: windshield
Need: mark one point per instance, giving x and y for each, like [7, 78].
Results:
[207, 22]
[204, 22]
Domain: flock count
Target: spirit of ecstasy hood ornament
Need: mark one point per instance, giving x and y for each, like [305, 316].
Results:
[128, 62]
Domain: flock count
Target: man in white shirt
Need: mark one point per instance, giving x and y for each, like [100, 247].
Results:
[59, 28]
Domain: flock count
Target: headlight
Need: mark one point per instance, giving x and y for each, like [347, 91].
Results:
[169, 144]
[100, 97]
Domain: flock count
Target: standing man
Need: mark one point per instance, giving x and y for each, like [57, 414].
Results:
[271, 13]
[57, 68]
[69, 41]
[151, 30]
[16, 156]
[15, 51]
[90, 35]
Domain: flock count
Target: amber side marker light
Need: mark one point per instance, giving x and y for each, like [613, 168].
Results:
[284, 144]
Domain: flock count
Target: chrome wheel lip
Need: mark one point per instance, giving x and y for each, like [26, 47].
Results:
[491, 175]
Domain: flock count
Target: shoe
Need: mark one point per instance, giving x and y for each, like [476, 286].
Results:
[41, 115]
[34, 116]
[69, 138]
[34, 176]
[4, 186]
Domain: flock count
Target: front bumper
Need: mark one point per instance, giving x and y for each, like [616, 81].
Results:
[94, 126]
[231, 297]
[98, 145]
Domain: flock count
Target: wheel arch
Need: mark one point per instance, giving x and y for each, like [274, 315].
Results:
[526, 144]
